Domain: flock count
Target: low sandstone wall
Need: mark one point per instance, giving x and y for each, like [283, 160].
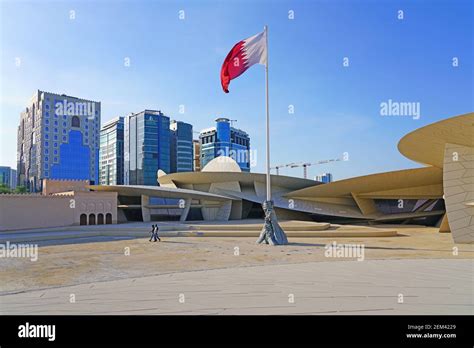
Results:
[34, 211]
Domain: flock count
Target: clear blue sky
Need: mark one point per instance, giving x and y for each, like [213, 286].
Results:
[174, 62]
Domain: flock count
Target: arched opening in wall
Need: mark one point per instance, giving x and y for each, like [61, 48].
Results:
[100, 219]
[75, 122]
[91, 219]
[108, 219]
[83, 219]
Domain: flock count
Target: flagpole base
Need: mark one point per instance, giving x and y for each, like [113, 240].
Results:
[272, 233]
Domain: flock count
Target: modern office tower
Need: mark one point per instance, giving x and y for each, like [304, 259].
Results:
[181, 147]
[58, 138]
[325, 178]
[146, 147]
[8, 177]
[5, 174]
[197, 155]
[111, 152]
[13, 178]
[224, 140]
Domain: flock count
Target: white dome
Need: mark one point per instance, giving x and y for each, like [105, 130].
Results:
[222, 164]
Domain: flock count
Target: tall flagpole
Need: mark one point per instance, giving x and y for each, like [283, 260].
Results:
[272, 233]
[269, 191]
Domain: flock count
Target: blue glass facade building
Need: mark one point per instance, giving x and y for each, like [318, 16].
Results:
[181, 157]
[324, 178]
[72, 161]
[8, 177]
[112, 152]
[146, 147]
[58, 138]
[224, 140]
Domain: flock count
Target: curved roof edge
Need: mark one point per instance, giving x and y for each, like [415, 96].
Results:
[222, 164]
[426, 145]
[397, 179]
[292, 183]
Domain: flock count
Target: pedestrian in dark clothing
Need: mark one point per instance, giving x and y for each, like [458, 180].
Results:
[152, 233]
[156, 233]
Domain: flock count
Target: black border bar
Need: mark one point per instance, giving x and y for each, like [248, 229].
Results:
[225, 330]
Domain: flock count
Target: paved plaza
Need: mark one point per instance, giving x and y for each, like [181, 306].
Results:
[346, 287]
[416, 271]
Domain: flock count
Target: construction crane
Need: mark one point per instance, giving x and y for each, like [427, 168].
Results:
[305, 165]
[281, 166]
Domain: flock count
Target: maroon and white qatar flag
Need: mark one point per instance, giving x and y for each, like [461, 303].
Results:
[242, 56]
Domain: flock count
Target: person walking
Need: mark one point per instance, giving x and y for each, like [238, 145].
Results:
[152, 233]
[156, 233]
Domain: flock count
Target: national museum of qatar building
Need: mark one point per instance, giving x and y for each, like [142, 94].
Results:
[438, 193]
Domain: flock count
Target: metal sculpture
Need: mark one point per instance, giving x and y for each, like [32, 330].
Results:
[271, 233]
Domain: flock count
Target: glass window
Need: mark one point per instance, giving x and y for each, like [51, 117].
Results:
[55, 145]
[46, 143]
[46, 158]
[75, 122]
[73, 159]
[46, 136]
